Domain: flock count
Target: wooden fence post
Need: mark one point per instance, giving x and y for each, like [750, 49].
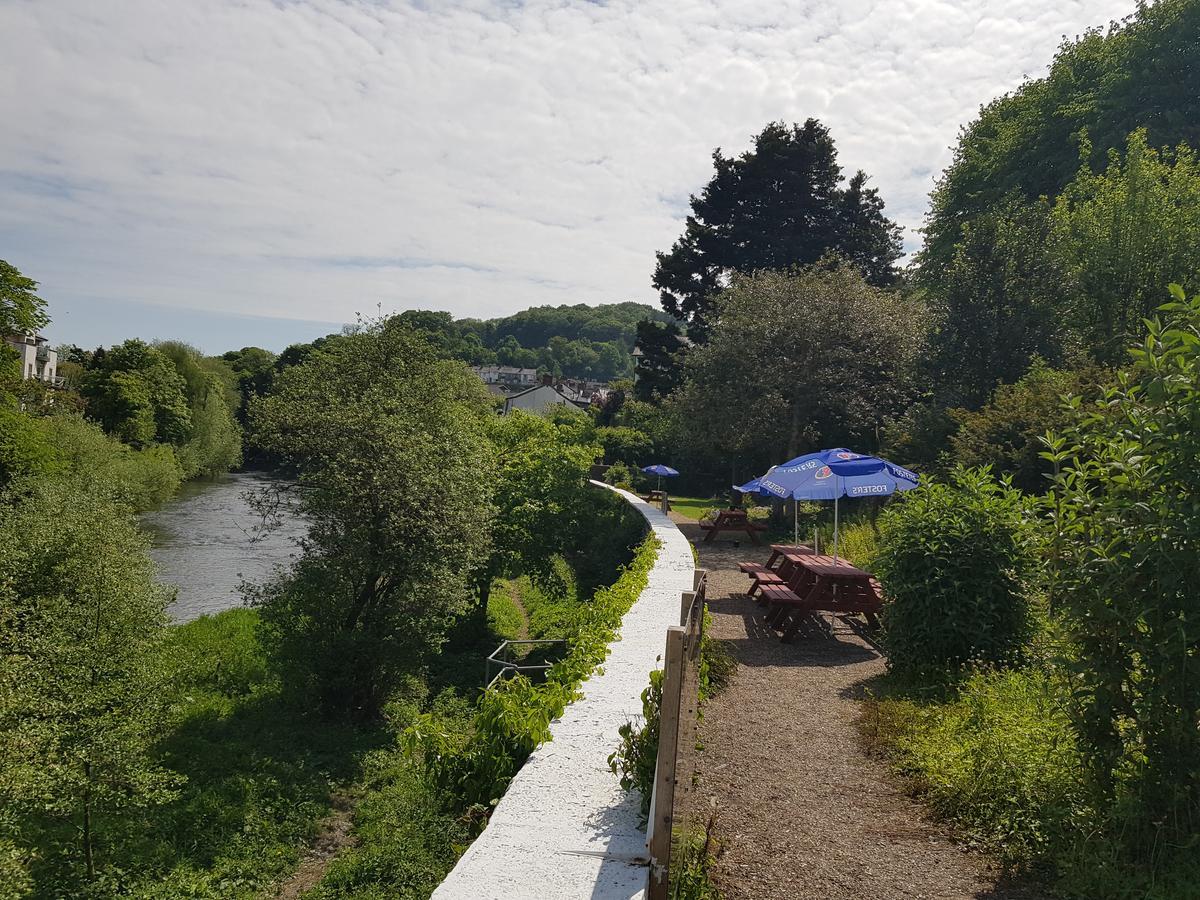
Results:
[664, 775]
[685, 607]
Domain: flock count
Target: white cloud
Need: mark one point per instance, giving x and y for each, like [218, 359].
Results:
[310, 159]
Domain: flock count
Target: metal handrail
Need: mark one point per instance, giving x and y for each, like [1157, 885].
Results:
[508, 666]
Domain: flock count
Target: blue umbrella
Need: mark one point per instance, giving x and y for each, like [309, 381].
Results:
[832, 474]
[661, 471]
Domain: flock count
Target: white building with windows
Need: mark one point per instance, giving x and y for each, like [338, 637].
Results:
[37, 359]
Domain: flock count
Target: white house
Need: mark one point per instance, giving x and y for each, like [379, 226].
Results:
[545, 395]
[37, 359]
[511, 376]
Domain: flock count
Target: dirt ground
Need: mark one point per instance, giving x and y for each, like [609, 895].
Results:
[801, 810]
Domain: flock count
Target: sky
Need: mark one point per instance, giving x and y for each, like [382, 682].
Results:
[245, 172]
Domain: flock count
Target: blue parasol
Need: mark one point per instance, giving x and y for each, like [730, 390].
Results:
[833, 474]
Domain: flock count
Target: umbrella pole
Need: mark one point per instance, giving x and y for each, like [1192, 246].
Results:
[795, 521]
[835, 530]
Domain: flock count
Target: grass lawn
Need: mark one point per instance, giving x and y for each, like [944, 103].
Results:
[694, 507]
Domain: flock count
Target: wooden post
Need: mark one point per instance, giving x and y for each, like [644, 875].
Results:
[664, 773]
[685, 607]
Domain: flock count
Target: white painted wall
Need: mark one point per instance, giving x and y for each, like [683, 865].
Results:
[565, 829]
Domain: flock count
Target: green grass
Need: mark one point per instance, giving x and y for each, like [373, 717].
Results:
[997, 758]
[695, 507]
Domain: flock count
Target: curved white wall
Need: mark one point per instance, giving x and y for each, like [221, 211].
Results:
[565, 829]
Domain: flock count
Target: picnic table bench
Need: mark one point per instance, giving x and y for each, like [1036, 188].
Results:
[731, 520]
[654, 496]
[806, 583]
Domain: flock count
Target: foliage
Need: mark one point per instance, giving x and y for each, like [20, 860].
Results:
[775, 207]
[405, 842]
[1006, 433]
[81, 705]
[624, 444]
[954, 559]
[636, 758]
[541, 496]
[24, 449]
[22, 311]
[660, 367]
[91, 459]
[998, 305]
[472, 770]
[394, 468]
[1138, 74]
[1125, 233]
[999, 759]
[137, 395]
[1126, 521]
[214, 442]
[693, 850]
[767, 388]
[579, 341]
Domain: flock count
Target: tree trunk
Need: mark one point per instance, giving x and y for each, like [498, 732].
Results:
[88, 857]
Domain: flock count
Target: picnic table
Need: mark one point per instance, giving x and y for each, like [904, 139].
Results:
[654, 496]
[804, 583]
[731, 520]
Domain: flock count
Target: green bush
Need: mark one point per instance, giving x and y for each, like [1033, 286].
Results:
[219, 653]
[1126, 548]
[473, 770]
[954, 559]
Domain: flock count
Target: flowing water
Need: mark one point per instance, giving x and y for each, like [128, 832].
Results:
[208, 540]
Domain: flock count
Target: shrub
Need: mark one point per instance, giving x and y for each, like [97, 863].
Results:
[636, 757]
[954, 559]
[472, 770]
[1127, 545]
[1000, 760]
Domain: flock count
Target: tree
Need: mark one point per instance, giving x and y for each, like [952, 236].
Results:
[1125, 233]
[395, 475]
[1140, 74]
[798, 362]
[774, 207]
[136, 393]
[1006, 432]
[81, 692]
[1126, 525]
[660, 366]
[540, 496]
[22, 311]
[1001, 302]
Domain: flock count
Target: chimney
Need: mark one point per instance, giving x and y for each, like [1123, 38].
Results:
[547, 379]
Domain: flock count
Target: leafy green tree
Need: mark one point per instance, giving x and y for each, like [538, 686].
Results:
[1001, 302]
[24, 449]
[81, 694]
[395, 472]
[254, 369]
[1006, 433]
[540, 493]
[1126, 525]
[22, 311]
[136, 394]
[1124, 233]
[797, 362]
[660, 366]
[775, 207]
[1140, 74]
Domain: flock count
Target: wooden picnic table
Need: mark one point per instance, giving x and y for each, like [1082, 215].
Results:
[732, 520]
[815, 583]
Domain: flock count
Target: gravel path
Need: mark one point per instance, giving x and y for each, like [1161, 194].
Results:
[801, 811]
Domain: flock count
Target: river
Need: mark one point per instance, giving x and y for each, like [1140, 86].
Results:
[207, 541]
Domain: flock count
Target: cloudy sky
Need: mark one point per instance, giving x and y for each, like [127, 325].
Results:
[240, 172]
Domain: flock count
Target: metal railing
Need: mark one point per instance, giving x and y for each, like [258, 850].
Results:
[501, 658]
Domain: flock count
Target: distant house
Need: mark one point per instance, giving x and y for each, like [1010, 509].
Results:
[37, 359]
[508, 376]
[547, 394]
